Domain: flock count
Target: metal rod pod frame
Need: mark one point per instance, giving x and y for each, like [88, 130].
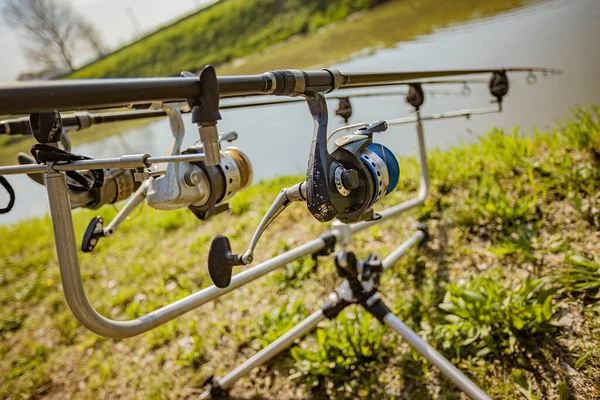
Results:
[341, 234]
[70, 270]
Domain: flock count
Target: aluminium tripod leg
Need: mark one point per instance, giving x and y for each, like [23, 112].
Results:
[377, 307]
[329, 310]
[221, 385]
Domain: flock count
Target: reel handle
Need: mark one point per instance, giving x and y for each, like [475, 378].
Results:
[221, 260]
[93, 232]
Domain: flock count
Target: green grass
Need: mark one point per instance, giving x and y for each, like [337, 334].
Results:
[342, 355]
[226, 31]
[485, 319]
[581, 276]
[243, 36]
[473, 288]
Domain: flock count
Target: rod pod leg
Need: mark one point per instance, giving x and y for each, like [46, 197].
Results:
[329, 310]
[221, 386]
[377, 307]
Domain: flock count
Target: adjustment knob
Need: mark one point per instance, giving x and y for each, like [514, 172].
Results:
[350, 179]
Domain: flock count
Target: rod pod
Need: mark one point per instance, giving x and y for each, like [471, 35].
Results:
[360, 286]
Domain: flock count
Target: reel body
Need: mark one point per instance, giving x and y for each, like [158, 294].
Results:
[347, 182]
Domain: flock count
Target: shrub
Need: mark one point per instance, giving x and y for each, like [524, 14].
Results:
[488, 317]
[581, 275]
[345, 352]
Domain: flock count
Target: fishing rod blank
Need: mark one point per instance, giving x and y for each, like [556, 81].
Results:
[82, 120]
[65, 95]
[79, 120]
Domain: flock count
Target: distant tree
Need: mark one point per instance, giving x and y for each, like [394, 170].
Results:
[52, 31]
[91, 35]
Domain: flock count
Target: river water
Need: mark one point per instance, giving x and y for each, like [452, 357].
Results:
[560, 34]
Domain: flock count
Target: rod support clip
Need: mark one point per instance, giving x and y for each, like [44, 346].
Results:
[205, 113]
[415, 96]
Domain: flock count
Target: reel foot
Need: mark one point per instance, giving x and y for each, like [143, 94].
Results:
[93, 233]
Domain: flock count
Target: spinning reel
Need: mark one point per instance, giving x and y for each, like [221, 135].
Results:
[198, 184]
[202, 188]
[344, 184]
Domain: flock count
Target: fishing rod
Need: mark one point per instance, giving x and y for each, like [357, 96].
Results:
[202, 92]
[121, 184]
[344, 184]
[82, 120]
[31, 97]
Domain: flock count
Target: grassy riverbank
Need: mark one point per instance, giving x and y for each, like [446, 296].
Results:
[244, 36]
[507, 287]
[223, 32]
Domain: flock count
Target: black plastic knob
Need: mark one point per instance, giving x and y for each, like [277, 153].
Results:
[92, 234]
[221, 261]
[499, 85]
[415, 96]
[350, 179]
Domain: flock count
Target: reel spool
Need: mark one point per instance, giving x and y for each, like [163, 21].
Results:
[217, 184]
[384, 168]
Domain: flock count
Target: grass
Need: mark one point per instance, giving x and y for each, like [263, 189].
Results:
[255, 36]
[581, 276]
[228, 30]
[506, 287]
[483, 318]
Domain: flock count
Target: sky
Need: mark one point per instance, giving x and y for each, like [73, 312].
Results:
[114, 19]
